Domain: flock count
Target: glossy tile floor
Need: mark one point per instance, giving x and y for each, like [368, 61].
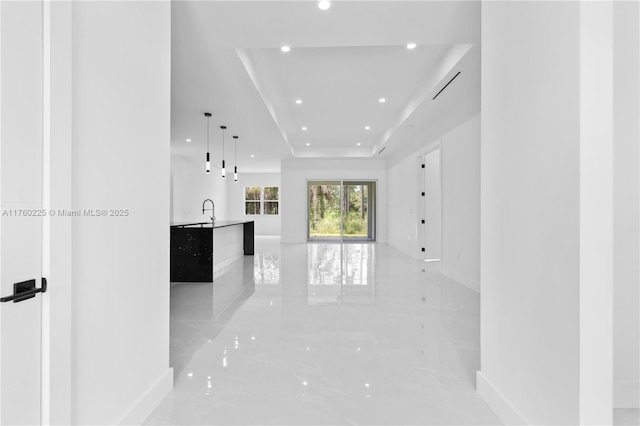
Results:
[325, 334]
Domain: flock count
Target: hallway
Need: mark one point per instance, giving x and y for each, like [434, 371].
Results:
[281, 338]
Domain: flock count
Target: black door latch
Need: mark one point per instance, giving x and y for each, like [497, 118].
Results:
[25, 290]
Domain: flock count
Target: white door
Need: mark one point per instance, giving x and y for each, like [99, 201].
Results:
[432, 206]
[21, 109]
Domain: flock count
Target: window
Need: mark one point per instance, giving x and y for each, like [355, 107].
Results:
[271, 200]
[259, 200]
[343, 210]
[251, 200]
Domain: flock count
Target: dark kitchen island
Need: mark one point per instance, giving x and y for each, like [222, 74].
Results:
[200, 249]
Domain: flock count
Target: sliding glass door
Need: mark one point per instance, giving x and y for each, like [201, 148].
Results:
[341, 210]
[324, 212]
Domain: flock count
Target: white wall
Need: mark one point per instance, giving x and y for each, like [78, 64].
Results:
[295, 174]
[546, 138]
[530, 209]
[264, 224]
[460, 202]
[191, 185]
[121, 115]
[626, 200]
[596, 213]
[432, 205]
[403, 183]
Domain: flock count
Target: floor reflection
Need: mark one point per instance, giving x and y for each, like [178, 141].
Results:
[341, 273]
[266, 268]
[325, 334]
[195, 307]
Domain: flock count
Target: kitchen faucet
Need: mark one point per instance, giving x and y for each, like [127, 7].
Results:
[213, 209]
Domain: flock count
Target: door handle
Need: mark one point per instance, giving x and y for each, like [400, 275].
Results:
[25, 290]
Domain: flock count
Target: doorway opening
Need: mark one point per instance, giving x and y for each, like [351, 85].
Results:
[431, 206]
[341, 210]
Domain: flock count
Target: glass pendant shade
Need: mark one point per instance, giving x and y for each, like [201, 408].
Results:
[208, 160]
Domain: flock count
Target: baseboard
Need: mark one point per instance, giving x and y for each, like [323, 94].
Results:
[626, 394]
[412, 254]
[498, 403]
[461, 278]
[145, 405]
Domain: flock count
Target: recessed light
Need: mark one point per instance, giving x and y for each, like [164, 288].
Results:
[304, 127]
[358, 144]
[411, 46]
[285, 48]
[298, 101]
[308, 144]
[252, 155]
[382, 100]
[324, 4]
[367, 127]
[188, 140]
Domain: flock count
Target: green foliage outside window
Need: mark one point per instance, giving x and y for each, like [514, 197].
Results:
[252, 193]
[324, 210]
[251, 207]
[259, 200]
[271, 193]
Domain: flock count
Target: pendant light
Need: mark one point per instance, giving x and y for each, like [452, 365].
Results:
[208, 115]
[235, 158]
[224, 173]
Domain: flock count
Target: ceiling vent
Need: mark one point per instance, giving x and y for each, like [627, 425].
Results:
[445, 86]
[383, 148]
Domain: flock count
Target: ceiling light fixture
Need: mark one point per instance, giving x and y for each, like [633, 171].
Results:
[224, 172]
[188, 140]
[208, 115]
[382, 100]
[324, 4]
[411, 46]
[235, 158]
[367, 127]
[308, 144]
[298, 101]
[358, 144]
[252, 155]
[304, 127]
[285, 48]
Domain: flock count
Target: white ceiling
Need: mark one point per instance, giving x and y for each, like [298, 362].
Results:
[226, 59]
